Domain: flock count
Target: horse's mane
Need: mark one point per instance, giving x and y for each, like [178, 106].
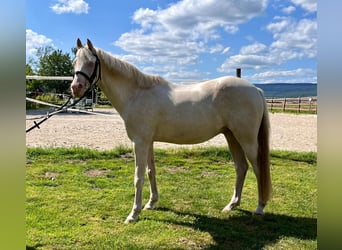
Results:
[130, 71]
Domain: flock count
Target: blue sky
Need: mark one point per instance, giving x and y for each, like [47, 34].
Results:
[272, 41]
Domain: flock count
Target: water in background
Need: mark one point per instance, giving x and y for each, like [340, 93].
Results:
[288, 89]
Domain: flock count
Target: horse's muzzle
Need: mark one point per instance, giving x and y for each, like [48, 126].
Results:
[77, 89]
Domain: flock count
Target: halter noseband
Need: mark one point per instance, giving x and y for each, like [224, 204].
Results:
[93, 75]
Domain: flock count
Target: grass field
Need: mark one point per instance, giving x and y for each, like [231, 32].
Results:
[79, 198]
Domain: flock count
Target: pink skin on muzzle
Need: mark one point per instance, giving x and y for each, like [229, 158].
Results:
[77, 87]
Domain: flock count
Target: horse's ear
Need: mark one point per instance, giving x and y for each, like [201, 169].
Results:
[90, 46]
[79, 43]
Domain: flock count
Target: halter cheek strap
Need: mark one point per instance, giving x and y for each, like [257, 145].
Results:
[93, 75]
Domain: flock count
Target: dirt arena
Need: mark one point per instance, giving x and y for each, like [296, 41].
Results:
[288, 132]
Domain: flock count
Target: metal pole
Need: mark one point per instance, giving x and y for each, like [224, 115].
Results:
[238, 72]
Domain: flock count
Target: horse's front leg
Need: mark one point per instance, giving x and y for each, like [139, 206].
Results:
[151, 171]
[140, 153]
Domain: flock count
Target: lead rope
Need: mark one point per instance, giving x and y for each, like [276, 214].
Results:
[62, 108]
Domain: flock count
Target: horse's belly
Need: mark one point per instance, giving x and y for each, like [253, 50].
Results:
[186, 133]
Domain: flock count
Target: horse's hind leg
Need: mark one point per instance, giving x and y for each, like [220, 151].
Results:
[151, 171]
[252, 155]
[241, 167]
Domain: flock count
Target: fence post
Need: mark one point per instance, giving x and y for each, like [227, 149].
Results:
[284, 105]
[299, 99]
[238, 72]
[310, 100]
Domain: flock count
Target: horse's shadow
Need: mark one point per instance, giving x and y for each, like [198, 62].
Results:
[245, 231]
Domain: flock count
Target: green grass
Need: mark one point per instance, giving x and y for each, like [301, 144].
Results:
[295, 112]
[71, 207]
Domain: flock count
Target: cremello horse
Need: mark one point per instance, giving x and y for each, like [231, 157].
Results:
[155, 110]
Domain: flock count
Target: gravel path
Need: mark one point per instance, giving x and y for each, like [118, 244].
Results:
[289, 132]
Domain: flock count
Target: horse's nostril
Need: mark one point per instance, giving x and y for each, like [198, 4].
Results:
[76, 86]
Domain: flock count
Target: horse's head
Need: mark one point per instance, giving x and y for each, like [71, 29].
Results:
[86, 68]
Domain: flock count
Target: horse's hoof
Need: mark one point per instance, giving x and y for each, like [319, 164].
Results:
[130, 220]
[230, 207]
[259, 212]
[226, 209]
[150, 206]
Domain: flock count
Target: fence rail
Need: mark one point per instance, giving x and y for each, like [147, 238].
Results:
[300, 104]
[61, 78]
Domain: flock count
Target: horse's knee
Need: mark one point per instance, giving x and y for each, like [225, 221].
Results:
[138, 182]
[139, 176]
[151, 172]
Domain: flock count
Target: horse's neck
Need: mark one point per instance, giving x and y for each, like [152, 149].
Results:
[117, 88]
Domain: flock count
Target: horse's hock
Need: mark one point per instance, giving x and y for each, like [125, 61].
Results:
[288, 132]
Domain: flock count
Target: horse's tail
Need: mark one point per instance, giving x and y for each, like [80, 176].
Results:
[264, 154]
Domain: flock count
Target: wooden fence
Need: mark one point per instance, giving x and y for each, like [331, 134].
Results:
[300, 104]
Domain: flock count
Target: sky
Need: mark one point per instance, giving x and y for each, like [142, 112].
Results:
[273, 41]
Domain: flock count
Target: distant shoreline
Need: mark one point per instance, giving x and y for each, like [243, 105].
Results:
[288, 90]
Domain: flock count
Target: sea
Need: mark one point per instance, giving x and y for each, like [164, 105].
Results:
[288, 90]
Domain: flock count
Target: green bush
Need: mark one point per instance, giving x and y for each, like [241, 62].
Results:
[49, 98]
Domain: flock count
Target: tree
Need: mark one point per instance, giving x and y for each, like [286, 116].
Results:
[31, 85]
[53, 62]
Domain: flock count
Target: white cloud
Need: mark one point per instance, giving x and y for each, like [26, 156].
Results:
[231, 29]
[70, 6]
[35, 41]
[300, 38]
[199, 17]
[292, 40]
[177, 75]
[289, 9]
[286, 76]
[206, 14]
[226, 50]
[145, 17]
[277, 27]
[160, 48]
[245, 62]
[216, 49]
[255, 48]
[178, 34]
[308, 5]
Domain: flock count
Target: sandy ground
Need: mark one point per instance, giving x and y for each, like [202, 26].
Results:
[289, 132]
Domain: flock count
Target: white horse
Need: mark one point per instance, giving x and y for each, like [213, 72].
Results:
[155, 110]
